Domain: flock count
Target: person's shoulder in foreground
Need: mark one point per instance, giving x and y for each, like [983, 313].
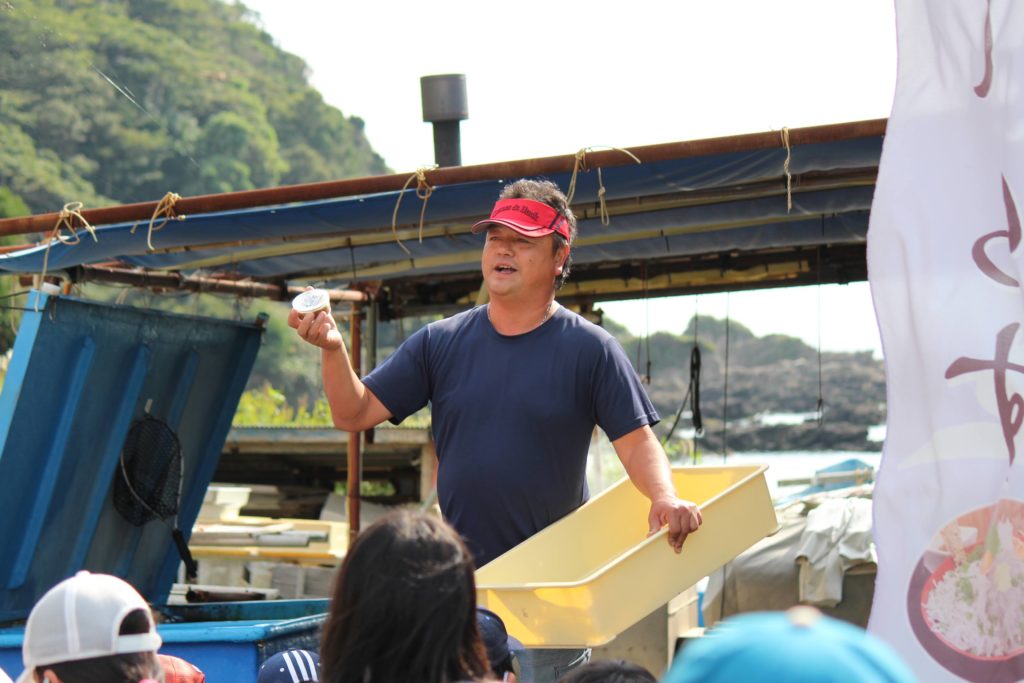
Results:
[800, 645]
[177, 670]
[290, 666]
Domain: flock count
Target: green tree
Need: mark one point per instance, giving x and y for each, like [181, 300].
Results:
[11, 206]
[124, 100]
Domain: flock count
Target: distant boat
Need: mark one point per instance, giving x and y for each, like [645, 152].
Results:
[852, 472]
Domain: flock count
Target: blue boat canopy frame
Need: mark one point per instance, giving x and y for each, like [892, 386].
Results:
[741, 212]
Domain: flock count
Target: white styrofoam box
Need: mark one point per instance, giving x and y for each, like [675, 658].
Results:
[223, 503]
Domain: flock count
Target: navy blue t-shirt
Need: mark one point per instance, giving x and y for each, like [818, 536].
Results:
[512, 417]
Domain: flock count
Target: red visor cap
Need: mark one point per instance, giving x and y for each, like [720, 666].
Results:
[527, 217]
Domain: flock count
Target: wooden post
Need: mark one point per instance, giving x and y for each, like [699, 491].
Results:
[355, 461]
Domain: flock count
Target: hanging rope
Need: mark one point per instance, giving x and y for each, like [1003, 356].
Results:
[352, 258]
[821, 396]
[165, 212]
[65, 219]
[695, 366]
[679, 415]
[646, 341]
[692, 397]
[423, 191]
[785, 169]
[602, 205]
[725, 388]
[581, 165]
[698, 420]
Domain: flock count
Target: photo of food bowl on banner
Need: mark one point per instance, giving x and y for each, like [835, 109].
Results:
[944, 261]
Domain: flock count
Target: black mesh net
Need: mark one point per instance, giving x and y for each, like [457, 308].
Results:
[148, 480]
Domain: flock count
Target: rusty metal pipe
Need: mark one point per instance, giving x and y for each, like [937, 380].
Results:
[452, 175]
[140, 278]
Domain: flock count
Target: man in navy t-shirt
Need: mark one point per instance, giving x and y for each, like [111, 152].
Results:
[515, 387]
[512, 417]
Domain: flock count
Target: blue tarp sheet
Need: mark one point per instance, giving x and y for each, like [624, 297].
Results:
[81, 372]
[314, 233]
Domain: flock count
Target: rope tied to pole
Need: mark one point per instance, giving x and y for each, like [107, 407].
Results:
[65, 219]
[423, 191]
[601, 203]
[785, 169]
[581, 164]
[166, 212]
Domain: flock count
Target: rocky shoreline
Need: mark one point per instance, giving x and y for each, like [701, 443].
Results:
[766, 375]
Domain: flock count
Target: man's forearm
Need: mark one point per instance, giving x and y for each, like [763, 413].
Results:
[650, 473]
[346, 394]
[647, 466]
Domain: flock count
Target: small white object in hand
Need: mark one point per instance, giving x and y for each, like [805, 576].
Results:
[312, 301]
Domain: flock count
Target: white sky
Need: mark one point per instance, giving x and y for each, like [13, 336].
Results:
[547, 78]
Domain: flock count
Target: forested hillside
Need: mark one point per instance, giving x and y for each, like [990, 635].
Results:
[115, 101]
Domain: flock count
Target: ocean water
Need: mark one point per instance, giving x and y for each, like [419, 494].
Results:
[605, 469]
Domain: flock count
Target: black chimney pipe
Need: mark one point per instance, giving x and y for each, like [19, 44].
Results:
[444, 105]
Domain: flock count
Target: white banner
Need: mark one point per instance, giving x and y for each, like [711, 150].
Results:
[946, 264]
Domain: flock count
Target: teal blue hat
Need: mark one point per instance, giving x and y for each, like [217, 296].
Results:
[798, 646]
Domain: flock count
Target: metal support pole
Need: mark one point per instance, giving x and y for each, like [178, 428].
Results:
[355, 459]
[372, 316]
[177, 281]
[447, 144]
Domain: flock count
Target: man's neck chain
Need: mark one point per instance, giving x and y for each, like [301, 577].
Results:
[547, 314]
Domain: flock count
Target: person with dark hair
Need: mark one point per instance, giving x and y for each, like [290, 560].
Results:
[548, 193]
[516, 388]
[404, 607]
[609, 671]
[91, 628]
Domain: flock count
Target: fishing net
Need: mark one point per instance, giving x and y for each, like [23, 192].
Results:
[148, 482]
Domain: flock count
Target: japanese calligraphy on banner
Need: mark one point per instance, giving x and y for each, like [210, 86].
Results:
[946, 267]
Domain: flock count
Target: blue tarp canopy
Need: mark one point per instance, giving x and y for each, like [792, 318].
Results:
[699, 216]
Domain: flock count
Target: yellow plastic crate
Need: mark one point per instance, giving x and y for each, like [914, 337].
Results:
[595, 573]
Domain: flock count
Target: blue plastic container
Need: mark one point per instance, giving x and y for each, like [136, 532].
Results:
[80, 374]
[228, 641]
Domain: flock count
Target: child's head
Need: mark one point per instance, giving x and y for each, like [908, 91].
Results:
[91, 628]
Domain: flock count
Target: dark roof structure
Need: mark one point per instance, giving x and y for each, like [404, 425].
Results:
[740, 212]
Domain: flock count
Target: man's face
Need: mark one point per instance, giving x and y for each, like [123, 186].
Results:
[514, 264]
